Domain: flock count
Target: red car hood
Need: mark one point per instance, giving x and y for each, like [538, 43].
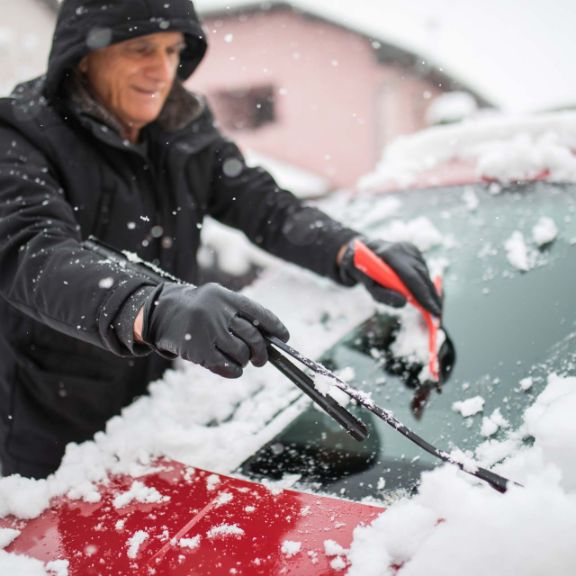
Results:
[198, 523]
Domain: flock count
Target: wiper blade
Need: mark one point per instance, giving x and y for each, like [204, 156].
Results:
[496, 481]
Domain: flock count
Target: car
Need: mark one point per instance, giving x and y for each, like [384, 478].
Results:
[501, 234]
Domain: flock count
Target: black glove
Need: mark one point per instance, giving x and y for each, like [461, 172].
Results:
[210, 325]
[407, 261]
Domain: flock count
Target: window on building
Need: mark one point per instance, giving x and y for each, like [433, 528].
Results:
[246, 108]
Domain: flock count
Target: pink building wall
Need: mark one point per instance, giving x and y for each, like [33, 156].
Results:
[335, 104]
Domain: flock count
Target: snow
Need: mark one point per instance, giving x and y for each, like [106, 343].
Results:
[57, 568]
[225, 531]
[7, 536]
[299, 181]
[290, 548]
[420, 231]
[526, 383]
[135, 541]
[469, 407]
[451, 107]
[190, 543]
[332, 548]
[519, 55]
[17, 565]
[518, 253]
[491, 424]
[545, 231]
[504, 148]
[456, 526]
[223, 498]
[325, 385]
[139, 492]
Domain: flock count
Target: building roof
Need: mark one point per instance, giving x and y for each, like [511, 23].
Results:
[384, 51]
[519, 55]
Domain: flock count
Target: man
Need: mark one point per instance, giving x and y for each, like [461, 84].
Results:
[109, 144]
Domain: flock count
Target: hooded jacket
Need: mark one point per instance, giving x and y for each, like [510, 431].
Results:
[66, 366]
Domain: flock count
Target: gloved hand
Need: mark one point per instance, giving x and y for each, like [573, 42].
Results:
[209, 325]
[407, 261]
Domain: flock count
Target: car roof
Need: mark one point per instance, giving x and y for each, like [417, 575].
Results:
[490, 147]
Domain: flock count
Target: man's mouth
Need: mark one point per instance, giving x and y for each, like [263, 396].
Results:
[150, 92]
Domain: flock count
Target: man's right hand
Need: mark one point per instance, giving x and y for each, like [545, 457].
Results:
[209, 325]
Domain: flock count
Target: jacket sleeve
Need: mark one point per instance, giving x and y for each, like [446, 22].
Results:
[274, 219]
[45, 272]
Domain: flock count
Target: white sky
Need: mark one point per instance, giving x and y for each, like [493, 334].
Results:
[518, 54]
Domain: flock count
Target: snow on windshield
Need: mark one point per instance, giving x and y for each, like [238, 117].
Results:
[454, 526]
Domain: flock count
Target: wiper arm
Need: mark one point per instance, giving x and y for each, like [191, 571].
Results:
[496, 481]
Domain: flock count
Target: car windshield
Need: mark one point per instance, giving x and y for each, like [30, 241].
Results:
[510, 329]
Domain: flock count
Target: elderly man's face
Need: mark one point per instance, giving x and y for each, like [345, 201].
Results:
[133, 78]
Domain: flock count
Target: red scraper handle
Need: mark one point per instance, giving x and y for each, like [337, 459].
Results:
[374, 267]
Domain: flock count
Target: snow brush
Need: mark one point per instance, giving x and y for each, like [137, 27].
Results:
[440, 359]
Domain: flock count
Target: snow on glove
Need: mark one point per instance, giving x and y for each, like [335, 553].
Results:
[408, 263]
[210, 325]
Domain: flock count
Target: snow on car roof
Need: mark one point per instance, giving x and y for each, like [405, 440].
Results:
[491, 146]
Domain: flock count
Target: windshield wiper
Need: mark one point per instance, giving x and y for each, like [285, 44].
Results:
[350, 422]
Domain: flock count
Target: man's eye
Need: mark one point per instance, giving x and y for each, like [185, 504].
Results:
[139, 50]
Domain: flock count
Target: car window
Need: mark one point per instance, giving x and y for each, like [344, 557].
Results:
[510, 329]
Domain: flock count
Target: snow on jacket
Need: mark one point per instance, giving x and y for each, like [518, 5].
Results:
[66, 174]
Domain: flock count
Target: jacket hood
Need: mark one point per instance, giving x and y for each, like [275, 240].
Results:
[86, 25]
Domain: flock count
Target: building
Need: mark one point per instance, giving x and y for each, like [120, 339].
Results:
[25, 36]
[310, 92]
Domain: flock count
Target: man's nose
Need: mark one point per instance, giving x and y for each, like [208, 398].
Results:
[162, 67]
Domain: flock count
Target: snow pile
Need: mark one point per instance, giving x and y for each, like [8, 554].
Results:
[139, 493]
[327, 387]
[469, 407]
[290, 548]
[518, 253]
[420, 231]
[57, 567]
[17, 565]
[526, 157]
[545, 231]
[491, 424]
[503, 148]
[225, 531]
[523, 255]
[451, 107]
[7, 536]
[411, 341]
[193, 416]
[456, 526]
[135, 541]
[190, 543]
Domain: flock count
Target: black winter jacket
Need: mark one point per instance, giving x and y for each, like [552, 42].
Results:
[66, 175]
